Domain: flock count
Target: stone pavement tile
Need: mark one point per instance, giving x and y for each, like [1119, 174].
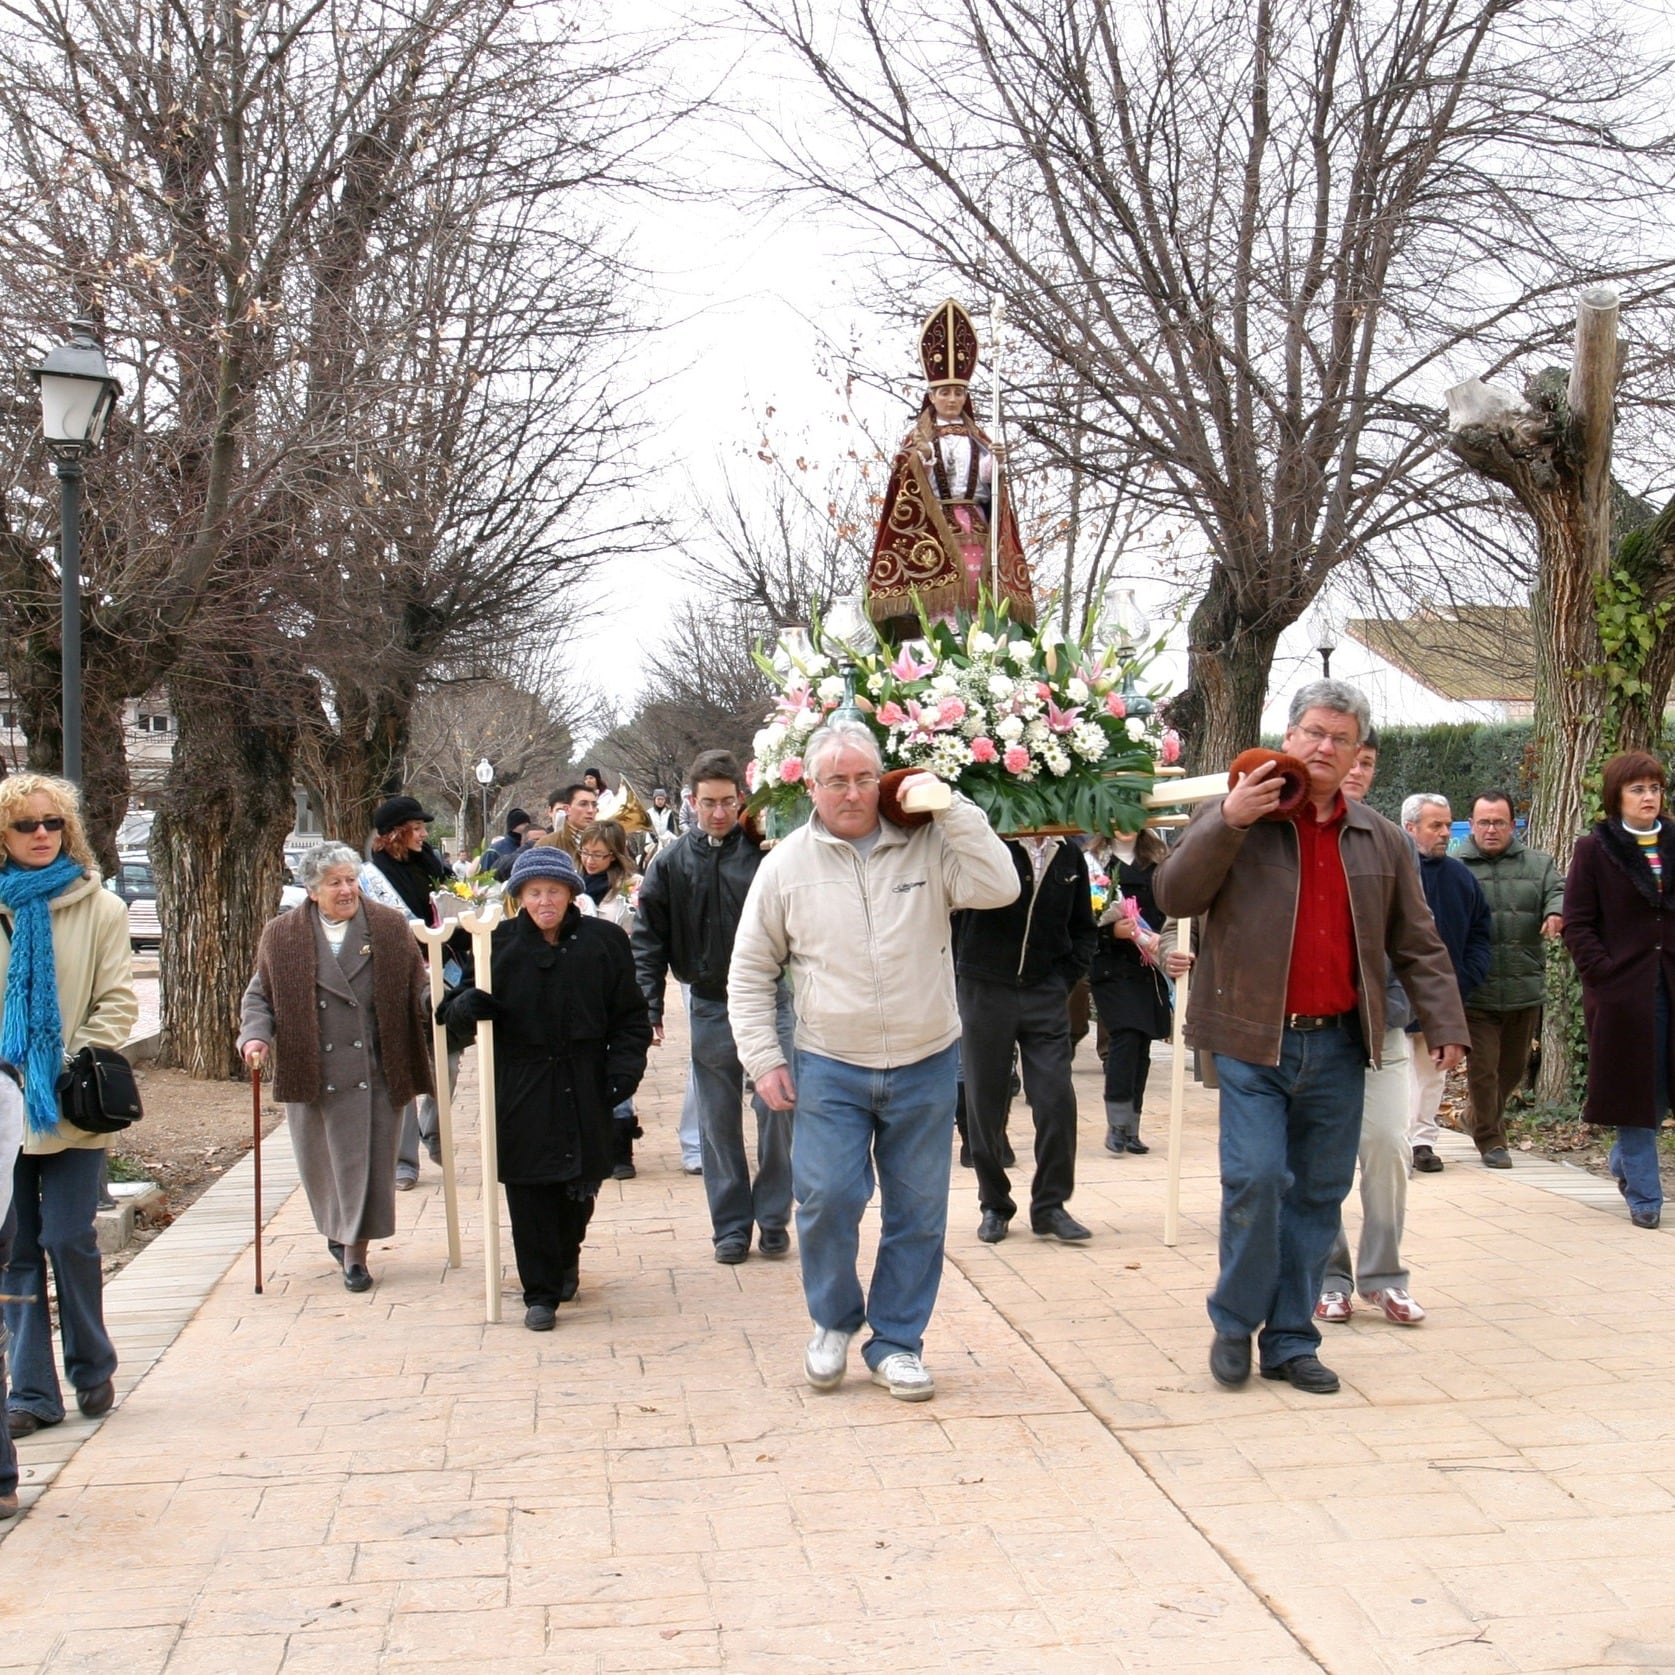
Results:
[441, 1555]
[227, 1606]
[1584, 1640]
[221, 1654]
[453, 1593]
[460, 1635]
[136, 1651]
[332, 1651]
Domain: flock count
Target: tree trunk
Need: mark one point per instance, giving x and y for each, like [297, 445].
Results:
[218, 853]
[1228, 664]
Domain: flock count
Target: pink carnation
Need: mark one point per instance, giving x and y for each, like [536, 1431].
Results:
[1115, 706]
[983, 750]
[790, 770]
[1016, 759]
[1170, 754]
[891, 715]
[953, 709]
[750, 774]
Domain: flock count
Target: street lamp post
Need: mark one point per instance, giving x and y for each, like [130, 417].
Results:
[77, 395]
[485, 778]
[1123, 627]
[1325, 629]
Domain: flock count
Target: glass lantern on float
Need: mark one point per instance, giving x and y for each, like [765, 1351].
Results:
[1122, 627]
[848, 635]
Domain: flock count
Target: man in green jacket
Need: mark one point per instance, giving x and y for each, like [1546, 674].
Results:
[1526, 902]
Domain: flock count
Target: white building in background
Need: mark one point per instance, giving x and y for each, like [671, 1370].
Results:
[1458, 663]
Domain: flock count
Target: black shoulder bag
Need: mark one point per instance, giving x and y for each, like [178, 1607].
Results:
[98, 1093]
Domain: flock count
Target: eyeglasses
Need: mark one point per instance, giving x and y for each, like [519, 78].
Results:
[1318, 736]
[597, 855]
[1493, 825]
[717, 805]
[52, 823]
[842, 787]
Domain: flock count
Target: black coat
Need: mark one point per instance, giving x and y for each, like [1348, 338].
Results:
[570, 1042]
[688, 912]
[1620, 929]
[1128, 993]
[1047, 932]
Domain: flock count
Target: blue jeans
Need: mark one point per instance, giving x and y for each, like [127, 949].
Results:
[1634, 1158]
[55, 1195]
[8, 1449]
[1289, 1135]
[736, 1204]
[848, 1118]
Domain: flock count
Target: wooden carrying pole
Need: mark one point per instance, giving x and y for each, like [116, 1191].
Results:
[1177, 1091]
[256, 1131]
[481, 928]
[433, 937]
[1173, 794]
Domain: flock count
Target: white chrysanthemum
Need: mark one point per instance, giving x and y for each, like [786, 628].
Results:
[1011, 729]
[999, 686]
[1087, 739]
[1057, 758]
[948, 757]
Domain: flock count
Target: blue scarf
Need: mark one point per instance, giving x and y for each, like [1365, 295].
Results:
[31, 1030]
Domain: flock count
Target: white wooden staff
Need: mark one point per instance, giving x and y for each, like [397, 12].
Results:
[1179, 792]
[433, 937]
[481, 928]
[997, 320]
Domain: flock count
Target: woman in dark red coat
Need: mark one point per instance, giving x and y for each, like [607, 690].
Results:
[1619, 925]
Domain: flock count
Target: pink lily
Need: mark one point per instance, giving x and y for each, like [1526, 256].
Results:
[908, 667]
[1061, 721]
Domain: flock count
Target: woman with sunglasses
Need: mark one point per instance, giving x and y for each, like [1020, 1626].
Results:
[609, 881]
[66, 982]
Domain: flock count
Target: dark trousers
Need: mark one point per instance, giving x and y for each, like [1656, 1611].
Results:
[8, 1449]
[548, 1227]
[1128, 1062]
[993, 1018]
[1499, 1062]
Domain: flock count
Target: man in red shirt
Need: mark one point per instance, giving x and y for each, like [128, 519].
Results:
[1297, 919]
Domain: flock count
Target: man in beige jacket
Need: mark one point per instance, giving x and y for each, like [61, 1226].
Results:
[856, 909]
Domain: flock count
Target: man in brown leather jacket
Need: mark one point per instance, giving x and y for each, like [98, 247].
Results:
[1297, 918]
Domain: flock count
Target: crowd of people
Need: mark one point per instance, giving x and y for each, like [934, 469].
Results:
[858, 983]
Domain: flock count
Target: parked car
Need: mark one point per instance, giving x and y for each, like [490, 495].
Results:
[134, 883]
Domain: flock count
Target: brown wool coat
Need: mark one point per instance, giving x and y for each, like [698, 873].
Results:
[286, 963]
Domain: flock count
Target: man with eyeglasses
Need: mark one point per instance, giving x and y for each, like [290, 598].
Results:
[687, 917]
[1525, 892]
[1297, 917]
[857, 909]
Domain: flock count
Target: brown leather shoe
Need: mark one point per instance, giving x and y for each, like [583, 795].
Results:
[98, 1400]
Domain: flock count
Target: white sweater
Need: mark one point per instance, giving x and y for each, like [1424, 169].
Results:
[867, 943]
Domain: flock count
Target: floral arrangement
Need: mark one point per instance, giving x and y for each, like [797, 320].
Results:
[1036, 730]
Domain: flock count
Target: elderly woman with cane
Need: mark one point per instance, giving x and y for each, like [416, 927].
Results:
[66, 975]
[339, 997]
[571, 1034]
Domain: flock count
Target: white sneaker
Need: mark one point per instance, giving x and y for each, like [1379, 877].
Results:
[904, 1376]
[1399, 1308]
[826, 1358]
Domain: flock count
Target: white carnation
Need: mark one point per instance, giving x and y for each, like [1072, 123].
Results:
[1136, 727]
[1036, 735]
[981, 644]
[999, 686]
[1077, 689]
[1021, 652]
[831, 687]
[945, 685]
[1011, 729]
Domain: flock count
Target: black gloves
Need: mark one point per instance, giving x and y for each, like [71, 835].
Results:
[468, 1006]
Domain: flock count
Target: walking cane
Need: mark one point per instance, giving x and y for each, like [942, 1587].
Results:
[433, 936]
[256, 1130]
[481, 927]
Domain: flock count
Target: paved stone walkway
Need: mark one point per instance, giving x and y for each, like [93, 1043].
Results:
[309, 1480]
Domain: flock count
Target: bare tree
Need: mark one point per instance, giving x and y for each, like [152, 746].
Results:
[1255, 239]
[298, 225]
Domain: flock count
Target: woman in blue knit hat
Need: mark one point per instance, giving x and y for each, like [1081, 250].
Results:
[570, 1042]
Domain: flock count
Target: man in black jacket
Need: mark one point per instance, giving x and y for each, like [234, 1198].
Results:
[688, 913]
[1014, 968]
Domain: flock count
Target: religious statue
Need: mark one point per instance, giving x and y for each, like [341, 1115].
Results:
[940, 544]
